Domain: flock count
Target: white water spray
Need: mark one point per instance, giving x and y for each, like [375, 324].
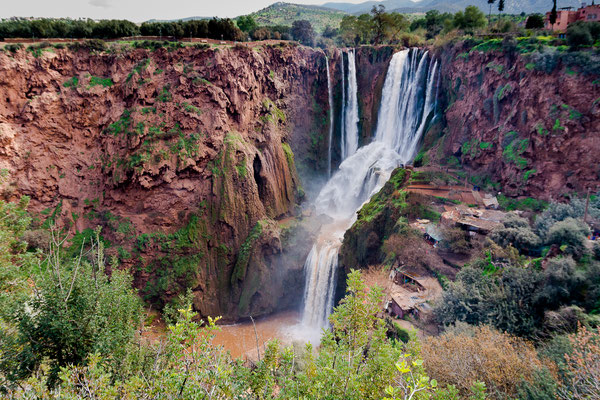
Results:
[349, 137]
[407, 103]
[330, 98]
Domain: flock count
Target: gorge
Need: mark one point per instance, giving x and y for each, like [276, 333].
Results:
[201, 164]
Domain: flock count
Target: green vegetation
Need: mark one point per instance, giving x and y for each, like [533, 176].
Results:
[526, 204]
[112, 29]
[105, 82]
[65, 321]
[285, 14]
[239, 271]
[71, 83]
[528, 174]
[514, 148]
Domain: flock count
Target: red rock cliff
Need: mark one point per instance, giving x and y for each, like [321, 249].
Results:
[533, 132]
[182, 156]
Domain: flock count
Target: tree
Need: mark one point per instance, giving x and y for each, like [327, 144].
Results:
[379, 23]
[535, 21]
[303, 32]
[570, 234]
[579, 34]
[490, 2]
[395, 24]
[500, 5]
[246, 23]
[330, 32]
[561, 282]
[472, 18]
[553, 14]
[516, 231]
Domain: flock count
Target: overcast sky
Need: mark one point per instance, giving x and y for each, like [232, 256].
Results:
[137, 10]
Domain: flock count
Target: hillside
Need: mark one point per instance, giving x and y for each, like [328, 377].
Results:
[286, 14]
[408, 6]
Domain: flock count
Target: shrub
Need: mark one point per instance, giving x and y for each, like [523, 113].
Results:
[561, 281]
[535, 21]
[578, 35]
[583, 365]
[596, 250]
[504, 299]
[456, 240]
[545, 60]
[13, 48]
[89, 45]
[37, 239]
[570, 234]
[466, 354]
[559, 211]
[516, 231]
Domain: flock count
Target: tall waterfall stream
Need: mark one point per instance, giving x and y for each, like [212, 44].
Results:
[408, 99]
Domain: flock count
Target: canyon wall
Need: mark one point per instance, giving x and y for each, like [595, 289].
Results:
[524, 124]
[183, 156]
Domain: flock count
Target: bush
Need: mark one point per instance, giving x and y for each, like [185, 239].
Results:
[535, 21]
[516, 231]
[561, 282]
[570, 234]
[583, 365]
[583, 33]
[504, 300]
[559, 211]
[13, 48]
[596, 250]
[456, 240]
[89, 45]
[62, 325]
[466, 354]
[545, 60]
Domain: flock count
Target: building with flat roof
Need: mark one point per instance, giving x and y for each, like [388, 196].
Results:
[567, 16]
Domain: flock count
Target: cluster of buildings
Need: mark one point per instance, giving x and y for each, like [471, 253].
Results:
[567, 15]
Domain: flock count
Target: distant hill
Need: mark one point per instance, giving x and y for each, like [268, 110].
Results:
[408, 6]
[286, 14]
[180, 19]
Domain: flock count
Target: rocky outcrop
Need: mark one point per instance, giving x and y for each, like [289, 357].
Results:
[525, 124]
[184, 157]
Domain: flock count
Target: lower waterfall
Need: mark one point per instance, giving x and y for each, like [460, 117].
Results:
[407, 105]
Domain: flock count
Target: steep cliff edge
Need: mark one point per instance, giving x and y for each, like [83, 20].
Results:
[527, 124]
[182, 156]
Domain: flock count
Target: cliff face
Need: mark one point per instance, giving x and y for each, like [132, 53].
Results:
[535, 132]
[181, 156]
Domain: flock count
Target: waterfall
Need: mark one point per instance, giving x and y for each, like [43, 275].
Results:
[349, 137]
[408, 103]
[330, 94]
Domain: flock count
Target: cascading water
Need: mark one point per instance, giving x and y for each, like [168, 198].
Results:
[349, 137]
[330, 99]
[408, 102]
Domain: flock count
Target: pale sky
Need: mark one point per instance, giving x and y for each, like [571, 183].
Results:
[138, 10]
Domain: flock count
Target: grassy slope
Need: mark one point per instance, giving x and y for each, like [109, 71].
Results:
[286, 14]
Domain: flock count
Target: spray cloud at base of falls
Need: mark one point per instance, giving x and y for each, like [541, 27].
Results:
[407, 106]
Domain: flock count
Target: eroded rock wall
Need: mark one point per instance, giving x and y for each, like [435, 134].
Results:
[512, 124]
[182, 156]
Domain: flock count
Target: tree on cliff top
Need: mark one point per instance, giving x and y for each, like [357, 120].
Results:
[246, 23]
[303, 32]
[472, 18]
